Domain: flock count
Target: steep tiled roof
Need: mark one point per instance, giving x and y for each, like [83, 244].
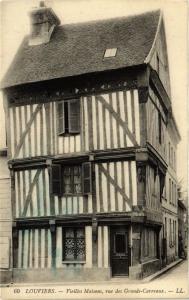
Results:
[76, 49]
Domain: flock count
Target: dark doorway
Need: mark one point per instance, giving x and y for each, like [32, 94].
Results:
[119, 252]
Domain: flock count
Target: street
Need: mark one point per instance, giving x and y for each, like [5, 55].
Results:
[179, 272]
[172, 284]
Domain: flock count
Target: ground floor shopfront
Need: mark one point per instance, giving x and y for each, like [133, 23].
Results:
[92, 252]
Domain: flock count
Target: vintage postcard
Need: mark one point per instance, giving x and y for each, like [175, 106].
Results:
[93, 149]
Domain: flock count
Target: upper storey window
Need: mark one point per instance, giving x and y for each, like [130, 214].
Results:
[111, 52]
[68, 117]
[71, 179]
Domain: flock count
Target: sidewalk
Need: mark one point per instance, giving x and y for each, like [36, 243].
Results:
[162, 271]
[111, 281]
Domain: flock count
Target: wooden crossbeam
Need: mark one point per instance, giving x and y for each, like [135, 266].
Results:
[112, 181]
[28, 125]
[119, 120]
[29, 198]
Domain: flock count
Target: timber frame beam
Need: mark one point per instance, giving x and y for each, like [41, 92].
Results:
[89, 219]
[132, 153]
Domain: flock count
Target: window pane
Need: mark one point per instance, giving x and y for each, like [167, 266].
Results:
[80, 233]
[111, 52]
[77, 188]
[77, 179]
[74, 244]
[69, 233]
[67, 180]
[77, 170]
[69, 248]
[120, 245]
[80, 249]
[72, 180]
[80, 244]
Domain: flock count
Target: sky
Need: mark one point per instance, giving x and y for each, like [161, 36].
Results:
[15, 24]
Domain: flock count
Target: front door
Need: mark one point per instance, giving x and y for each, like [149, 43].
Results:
[119, 252]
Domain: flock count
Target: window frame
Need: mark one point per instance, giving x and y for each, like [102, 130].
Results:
[61, 188]
[67, 131]
[75, 260]
[112, 53]
[72, 179]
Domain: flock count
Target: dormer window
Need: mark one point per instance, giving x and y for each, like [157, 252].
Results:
[68, 117]
[110, 52]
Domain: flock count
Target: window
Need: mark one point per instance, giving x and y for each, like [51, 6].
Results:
[68, 117]
[173, 199]
[159, 127]
[70, 179]
[146, 242]
[170, 192]
[171, 156]
[111, 52]
[120, 243]
[175, 160]
[149, 240]
[169, 153]
[165, 227]
[154, 192]
[74, 244]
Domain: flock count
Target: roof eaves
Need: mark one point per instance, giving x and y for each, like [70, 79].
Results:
[175, 126]
[3, 87]
[149, 56]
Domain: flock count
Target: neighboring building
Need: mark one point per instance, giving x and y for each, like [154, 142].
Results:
[5, 207]
[182, 229]
[87, 107]
[169, 199]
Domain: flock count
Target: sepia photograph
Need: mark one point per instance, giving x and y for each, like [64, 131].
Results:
[94, 149]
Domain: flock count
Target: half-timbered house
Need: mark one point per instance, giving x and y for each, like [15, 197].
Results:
[87, 108]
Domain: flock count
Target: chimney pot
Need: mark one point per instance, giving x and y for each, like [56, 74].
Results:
[42, 4]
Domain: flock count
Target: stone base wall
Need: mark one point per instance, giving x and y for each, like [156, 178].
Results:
[144, 269]
[150, 267]
[5, 276]
[61, 275]
[171, 258]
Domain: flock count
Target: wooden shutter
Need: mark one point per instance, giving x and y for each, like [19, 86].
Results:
[60, 118]
[86, 178]
[56, 179]
[74, 116]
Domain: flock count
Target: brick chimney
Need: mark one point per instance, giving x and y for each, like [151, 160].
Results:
[43, 21]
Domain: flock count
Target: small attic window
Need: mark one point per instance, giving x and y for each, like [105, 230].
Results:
[111, 52]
